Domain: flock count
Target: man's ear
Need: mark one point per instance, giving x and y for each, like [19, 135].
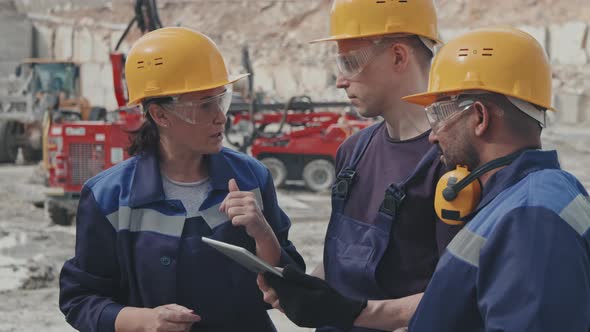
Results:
[400, 56]
[482, 118]
[159, 115]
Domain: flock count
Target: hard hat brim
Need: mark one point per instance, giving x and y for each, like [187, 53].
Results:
[428, 98]
[234, 79]
[379, 34]
[230, 80]
[422, 99]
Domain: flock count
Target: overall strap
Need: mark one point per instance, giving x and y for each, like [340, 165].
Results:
[345, 178]
[395, 194]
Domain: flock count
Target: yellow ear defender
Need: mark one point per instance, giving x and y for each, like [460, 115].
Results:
[458, 193]
[451, 204]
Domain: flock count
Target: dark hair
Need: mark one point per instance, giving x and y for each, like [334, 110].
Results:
[147, 137]
[517, 122]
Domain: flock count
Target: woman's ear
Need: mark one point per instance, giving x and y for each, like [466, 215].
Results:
[159, 115]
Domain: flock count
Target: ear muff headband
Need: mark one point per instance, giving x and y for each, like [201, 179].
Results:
[451, 191]
[450, 203]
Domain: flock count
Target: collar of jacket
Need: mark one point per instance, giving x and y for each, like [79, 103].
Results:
[147, 186]
[528, 162]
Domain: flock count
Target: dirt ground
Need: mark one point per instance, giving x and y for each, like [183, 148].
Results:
[32, 250]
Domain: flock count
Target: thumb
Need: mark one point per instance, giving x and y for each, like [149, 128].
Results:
[178, 307]
[233, 186]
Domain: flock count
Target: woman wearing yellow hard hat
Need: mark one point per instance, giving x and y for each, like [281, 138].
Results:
[140, 263]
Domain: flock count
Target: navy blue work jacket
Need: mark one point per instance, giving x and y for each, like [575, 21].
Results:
[136, 248]
[522, 262]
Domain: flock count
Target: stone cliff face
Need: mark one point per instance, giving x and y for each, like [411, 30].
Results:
[277, 33]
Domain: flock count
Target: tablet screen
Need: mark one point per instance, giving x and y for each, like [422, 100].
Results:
[243, 257]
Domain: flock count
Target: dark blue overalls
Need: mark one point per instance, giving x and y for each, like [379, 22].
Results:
[353, 249]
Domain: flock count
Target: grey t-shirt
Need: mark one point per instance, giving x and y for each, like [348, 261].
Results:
[191, 194]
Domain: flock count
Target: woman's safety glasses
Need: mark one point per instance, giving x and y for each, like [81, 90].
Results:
[201, 111]
[441, 112]
[354, 62]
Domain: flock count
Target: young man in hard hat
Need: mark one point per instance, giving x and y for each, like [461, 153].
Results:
[384, 239]
[522, 262]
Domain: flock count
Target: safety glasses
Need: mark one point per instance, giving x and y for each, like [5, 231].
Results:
[201, 111]
[354, 62]
[442, 112]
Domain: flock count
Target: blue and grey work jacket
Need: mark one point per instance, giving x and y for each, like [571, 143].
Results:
[136, 248]
[522, 262]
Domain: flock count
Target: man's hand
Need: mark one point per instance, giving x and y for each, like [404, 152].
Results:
[309, 301]
[169, 318]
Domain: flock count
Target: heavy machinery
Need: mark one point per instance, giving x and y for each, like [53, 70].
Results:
[44, 90]
[307, 151]
[78, 150]
[294, 133]
[297, 140]
[147, 19]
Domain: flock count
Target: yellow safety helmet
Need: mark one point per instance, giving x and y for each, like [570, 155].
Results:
[171, 61]
[370, 18]
[503, 60]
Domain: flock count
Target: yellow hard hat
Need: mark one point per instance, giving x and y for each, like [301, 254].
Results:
[171, 61]
[503, 60]
[370, 18]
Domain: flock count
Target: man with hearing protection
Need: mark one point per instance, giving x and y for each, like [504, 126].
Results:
[140, 263]
[384, 238]
[522, 261]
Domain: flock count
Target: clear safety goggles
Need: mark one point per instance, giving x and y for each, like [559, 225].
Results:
[201, 111]
[354, 62]
[441, 112]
